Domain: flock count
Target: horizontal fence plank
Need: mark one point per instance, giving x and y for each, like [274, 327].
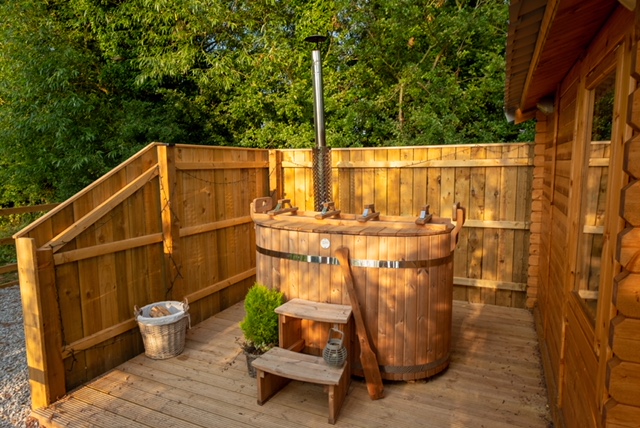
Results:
[7, 241]
[599, 162]
[455, 163]
[207, 291]
[8, 268]
[100, 250]
[185, 166]
[593, 230]
[216, 225]
[486, 283]
[127, 244]
[498, 224]
[9, 284]
[99, 337]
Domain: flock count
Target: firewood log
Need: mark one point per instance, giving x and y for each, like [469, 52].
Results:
[159, 311]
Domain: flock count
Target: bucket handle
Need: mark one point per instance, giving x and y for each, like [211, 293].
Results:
[333, 329]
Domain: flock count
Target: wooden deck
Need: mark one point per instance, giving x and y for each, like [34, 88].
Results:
[494, 380]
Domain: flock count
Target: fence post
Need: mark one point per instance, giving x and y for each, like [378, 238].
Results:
[43, 332]
[276, 184]
[170, 222]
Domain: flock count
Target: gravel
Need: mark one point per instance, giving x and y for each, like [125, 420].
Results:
[15, 396]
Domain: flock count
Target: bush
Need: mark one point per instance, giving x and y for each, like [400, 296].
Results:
[260, 325]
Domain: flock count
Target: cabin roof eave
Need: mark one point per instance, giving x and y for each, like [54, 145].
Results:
[535, 65]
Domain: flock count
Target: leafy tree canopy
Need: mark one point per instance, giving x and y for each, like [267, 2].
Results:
[86, 83]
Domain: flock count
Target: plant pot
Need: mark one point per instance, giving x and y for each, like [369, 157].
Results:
[250, 357]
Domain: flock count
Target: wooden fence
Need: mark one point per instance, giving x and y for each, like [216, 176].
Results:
[170, 223]
[492, 182]
[173, 222]
[6, 279]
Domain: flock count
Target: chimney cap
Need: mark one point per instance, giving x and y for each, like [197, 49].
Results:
[315, 39]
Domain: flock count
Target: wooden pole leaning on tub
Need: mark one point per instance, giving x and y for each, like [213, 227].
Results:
[367, 356]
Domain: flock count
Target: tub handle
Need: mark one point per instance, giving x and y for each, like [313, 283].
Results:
[460, 217]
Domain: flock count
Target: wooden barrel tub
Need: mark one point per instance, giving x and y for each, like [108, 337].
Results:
[403, 274]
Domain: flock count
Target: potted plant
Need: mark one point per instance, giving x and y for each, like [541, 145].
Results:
[260, 325]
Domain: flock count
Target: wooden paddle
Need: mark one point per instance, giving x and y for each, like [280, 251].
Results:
[367, 356]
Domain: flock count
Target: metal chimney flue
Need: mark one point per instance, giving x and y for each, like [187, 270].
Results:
[321, 153]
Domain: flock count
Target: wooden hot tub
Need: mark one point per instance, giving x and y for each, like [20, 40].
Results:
[403, 274]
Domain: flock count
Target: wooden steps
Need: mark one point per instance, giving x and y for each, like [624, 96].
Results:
[315, 311]
[298, 366]
[277, 367]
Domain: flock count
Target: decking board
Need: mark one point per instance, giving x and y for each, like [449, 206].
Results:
[494, 380]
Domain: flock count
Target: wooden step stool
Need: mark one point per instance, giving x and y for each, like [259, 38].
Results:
[279, 366]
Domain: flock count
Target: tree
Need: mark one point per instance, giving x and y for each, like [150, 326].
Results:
[86, 83]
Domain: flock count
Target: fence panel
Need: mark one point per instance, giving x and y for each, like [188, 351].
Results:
[492, 182]
[170, 223]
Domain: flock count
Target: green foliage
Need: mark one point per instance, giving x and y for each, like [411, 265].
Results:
[86, 83]
[9, 225]
[260, 325]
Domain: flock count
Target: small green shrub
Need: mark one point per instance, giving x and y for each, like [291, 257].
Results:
[260, 325]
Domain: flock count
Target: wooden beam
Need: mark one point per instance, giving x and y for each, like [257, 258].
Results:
[599, 162]
[43, 333]
[453, 163]
[216, 225]
[633, 115]
[619, 415]
[632, 157]
[626, 294]
[276, 179]
[628, 244]
[624, 338]
[492, 284]
[221, 285]
[99, 337]
[82, 224]
[593, 230]
[623, 382]
[548, 18]
[127, 244]
[190, 166]
[170, 222]
[498, 224]
[630, 204]
[8, 268]
[100, 250]
[523, 116]
[9, 284]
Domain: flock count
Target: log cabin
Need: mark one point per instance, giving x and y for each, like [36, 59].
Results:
[573, 67]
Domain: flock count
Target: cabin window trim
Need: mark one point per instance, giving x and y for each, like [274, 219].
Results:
[607, 68]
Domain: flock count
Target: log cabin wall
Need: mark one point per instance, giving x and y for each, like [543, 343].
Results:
[585, 318]
[622, 377]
